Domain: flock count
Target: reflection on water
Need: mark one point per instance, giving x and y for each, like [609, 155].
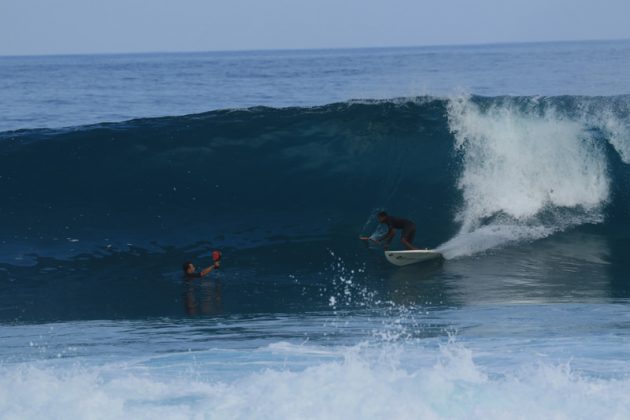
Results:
[569, 267]
[202, 297]
[565, 268]
[417, 284]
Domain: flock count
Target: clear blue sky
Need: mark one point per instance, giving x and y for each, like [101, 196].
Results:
[101, 26]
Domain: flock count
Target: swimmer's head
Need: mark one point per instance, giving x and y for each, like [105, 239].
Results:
[188, 267]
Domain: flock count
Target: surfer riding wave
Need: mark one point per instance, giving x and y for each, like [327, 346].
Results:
[407, 227]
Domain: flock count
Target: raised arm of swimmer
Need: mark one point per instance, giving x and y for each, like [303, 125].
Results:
[190, 273]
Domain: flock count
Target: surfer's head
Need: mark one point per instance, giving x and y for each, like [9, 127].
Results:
[188, 267]
[382, 217]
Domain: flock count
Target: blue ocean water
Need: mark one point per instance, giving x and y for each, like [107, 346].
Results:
[513, 160]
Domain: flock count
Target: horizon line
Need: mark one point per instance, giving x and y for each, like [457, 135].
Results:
[313, 49]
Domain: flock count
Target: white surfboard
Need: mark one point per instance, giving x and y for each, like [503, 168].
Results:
[401, 258]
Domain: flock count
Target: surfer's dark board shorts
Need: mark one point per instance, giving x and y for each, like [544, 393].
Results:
[409, 232]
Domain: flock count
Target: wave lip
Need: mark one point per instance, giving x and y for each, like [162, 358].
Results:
[529, 168]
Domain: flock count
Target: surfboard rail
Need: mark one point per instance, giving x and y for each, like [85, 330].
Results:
[402, 258]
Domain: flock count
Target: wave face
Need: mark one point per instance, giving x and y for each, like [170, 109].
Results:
[237, 178]
[473, 172]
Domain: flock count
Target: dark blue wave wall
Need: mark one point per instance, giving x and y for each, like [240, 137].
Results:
[236, 178]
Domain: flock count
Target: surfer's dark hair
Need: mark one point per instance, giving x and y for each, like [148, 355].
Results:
[382, 214]
[186, 265]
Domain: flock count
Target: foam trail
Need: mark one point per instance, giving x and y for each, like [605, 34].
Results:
[526, 173]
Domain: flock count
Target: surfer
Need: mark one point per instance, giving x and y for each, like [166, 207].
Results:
[407, 227]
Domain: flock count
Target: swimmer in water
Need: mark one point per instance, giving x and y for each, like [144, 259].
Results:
[191, 273]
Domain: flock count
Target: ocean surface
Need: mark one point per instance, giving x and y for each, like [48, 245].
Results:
[513, 161]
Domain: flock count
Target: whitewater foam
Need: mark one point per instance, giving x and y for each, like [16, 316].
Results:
[359, 385]
[610, 115]
[526, 172]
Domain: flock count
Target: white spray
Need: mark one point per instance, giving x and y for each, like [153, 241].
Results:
[525, 174]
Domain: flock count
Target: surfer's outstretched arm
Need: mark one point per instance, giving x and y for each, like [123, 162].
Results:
[387, 238]
[383, 240]
[368, 239]
[374, 241]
